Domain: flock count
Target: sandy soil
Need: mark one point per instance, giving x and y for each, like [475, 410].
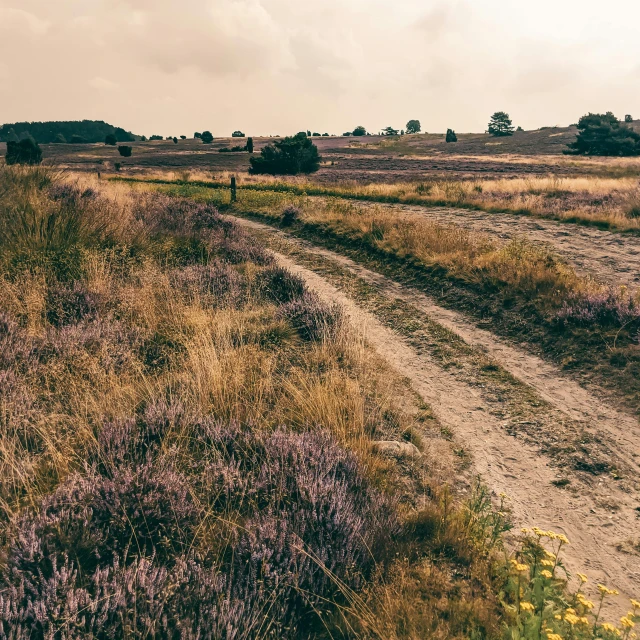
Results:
[598, 517]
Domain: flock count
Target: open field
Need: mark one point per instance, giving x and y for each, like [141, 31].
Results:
[352, 389]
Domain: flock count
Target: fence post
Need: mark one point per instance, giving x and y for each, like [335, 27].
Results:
[233, 189]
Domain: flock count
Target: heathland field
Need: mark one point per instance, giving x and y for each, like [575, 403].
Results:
[397, 398]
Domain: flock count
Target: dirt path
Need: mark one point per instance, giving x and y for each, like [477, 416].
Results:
[595, 518]
[612, 258]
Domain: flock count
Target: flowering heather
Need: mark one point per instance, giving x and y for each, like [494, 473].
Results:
[314, 319]
[279, 285]
[606, 308]
[71, 303]
[216, 283]
[123, 548]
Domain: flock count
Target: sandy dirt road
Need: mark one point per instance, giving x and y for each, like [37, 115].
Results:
[599, 516]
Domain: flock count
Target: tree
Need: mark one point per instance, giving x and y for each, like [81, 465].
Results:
[325, 135]
[628, 118]
[111, 139]
[500, 124]
[237, 134]
[389, 131]
[27, 151]
[315, 134]
[206, 137]
[359, 131]
[183, 137]
[250, 145]
[60, 139]
[78, 140]
[308, 133]
[288, 156]
[93, 131]
[413, 126]
[11, 136]
[197, 135]
[347, 134]
[451, 136]
[175, 140]
[125, 151]
[602, 134]
[155, 138]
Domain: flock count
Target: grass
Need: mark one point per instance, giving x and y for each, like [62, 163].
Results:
[606, 203]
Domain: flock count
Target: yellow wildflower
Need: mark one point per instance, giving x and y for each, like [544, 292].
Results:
[558, 616]
[627, 623]
[587, 604]
[572, 618]
[607, 626]
[582, 577]
[525, 530]
[554, 636]
[547, 563]
[605, 591]
[635, 604]
[551, 556]
[520, 567]
[527, 606]
[546, 574]
[562, 538]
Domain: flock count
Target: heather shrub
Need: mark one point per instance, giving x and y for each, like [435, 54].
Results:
[602, 134]
[26, 151]
[217, 284]
[70, 303]
[125, 150]
[602, 308]
[290, 215]
[314, 319]
[279, 285]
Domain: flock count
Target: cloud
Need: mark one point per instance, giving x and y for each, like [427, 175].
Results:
[278, 66]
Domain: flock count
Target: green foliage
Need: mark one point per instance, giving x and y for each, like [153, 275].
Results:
[111, 140]
[197, 135]
[60, 139]
[125, 151]
[289, 156]
[27, 151]
[500, 124]
[237, 134]
[155, 138]
[250, 145]
[451, 136]
[390, 131]
[175, 140]
[413, 126]
[315, 134]
[88, 130]
[10, 136]
[206, 137]
[602, 134]
[628, 118]
[75, 139]
[359, 131]
[183, 137]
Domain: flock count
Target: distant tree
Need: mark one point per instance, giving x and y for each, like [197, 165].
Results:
[628, 118]
[401, 132]
[308, 134]
[500, 124]
[175, 140]
[288, 156]
[359, 131]
[93, 131]
[78, 140]
[11, 136]
[346, 134]
[602, 134]
[206, 137]
[413, 126]
[27, 151]
[451, 136]
[143, 138]
[155, 138]
[197, 135]
[111, 139]
[250, 145]
[325, 135]
[183, 137]
[237, 134]
[60, 139]
[125, 151]
[389, 131]
[519, 129]
[316, 135]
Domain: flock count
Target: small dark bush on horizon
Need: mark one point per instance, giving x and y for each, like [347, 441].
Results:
[206, 137]
[237, 134]
[125, 151]
[451, 136]
[288, 156]
[602, 134]
[27, 151]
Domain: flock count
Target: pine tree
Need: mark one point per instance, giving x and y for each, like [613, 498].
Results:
[500, 124]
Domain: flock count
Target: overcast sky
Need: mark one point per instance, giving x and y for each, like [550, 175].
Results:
[173, 67]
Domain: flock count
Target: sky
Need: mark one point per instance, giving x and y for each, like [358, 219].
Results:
[172, 67]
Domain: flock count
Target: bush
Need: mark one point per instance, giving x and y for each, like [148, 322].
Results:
[451, 136]
[156, 137]
[125, 151]
[279, 285]
[500, 124]
[290, 215]
[175, 140]
[197, 136]
[250, 145]
[359, 131]
[390, 131]
[237, 134]
[628, 118]
[26, 151]
[60, 139]
[183, 137]
[111, 140]
[76, 139]
[206, 137]
[602, 134]
[312, 318]
[605, 308]
[413, 126]
[289, 156]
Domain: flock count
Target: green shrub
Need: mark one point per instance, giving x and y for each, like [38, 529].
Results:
[359, 131]
[602, 134]
[206, 137]
[26, 151]
[250, 145]
[125, 151]
[289, 156]
[237, 134]
[60, 139]
[413, 126]
[451, 136]
[111, 140]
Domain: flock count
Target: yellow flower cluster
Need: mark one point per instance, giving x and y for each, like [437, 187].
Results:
[605, 591]
[587, 604]
[607, 626]
[527, 606]
[554, 636]
[552, 535]
[627, 622]
[518, 566]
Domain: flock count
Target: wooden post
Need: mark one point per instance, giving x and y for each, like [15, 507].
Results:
[233, 189]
